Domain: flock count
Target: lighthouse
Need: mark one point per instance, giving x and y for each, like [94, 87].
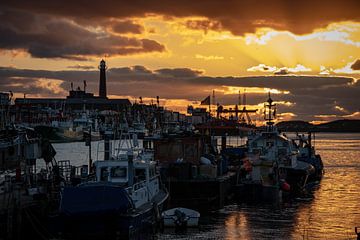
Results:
[102, 86]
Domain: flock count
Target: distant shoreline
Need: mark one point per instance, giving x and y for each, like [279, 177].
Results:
[338, 126]
[315, 132]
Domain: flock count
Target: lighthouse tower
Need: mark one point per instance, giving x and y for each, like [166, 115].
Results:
[102, 86]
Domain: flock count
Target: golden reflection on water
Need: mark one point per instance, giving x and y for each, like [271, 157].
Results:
[236, 226]
[335, 210]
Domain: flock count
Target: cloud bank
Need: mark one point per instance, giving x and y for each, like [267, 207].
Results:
[303, 96]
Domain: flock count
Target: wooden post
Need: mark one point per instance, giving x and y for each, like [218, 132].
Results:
[90, 160]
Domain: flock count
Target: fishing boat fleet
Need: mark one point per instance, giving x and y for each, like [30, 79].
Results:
[156, 171]
[165, 182]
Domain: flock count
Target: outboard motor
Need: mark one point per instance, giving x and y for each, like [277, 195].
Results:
[181, 219]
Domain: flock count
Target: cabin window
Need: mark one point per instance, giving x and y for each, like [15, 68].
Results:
[140, 174]
[118, 172]
[104, 173]
[269, 144]
[254, 145]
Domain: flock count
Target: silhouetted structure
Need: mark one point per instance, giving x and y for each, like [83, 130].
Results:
[102, 85]
[78, 99]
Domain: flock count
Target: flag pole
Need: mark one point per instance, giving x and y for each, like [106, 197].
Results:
[210, 109]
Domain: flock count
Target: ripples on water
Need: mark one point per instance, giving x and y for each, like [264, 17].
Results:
[332, 214]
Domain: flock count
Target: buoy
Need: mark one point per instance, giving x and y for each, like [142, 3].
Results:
[285, 186]
[247, 165]
[18, 174]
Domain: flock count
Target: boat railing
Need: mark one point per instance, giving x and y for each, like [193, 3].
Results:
[138, 185]
[142, 185]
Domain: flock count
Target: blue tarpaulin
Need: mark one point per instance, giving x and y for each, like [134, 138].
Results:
[94, 199]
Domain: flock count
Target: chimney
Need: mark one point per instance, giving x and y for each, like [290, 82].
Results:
[102, 86]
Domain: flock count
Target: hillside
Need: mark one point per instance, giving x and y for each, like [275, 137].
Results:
[345, 125]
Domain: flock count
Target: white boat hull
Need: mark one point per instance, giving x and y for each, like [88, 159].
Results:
[170, 218]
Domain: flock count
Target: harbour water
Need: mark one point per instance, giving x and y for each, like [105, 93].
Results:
[331, 214]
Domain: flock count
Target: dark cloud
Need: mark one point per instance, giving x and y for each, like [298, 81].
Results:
[204, 25]
[44, 36]
[179, 72]
[282, 71]
[127, 27]
[356, 65]
[141, 70]
[84, 67]
[34, 86]
[309, 95]
[237, 16]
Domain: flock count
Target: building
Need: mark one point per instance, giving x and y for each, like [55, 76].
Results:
[77, 100]
[5, 99]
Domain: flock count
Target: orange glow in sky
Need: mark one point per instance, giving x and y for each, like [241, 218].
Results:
[204, 42]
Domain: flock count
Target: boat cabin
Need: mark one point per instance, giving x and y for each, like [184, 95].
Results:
[118, 171]
[82, 122]
[139, 178]
[271, 146]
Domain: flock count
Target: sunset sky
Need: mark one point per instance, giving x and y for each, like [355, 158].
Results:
[307, 53]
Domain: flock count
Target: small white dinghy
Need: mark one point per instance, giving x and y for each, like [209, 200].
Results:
[180, 217]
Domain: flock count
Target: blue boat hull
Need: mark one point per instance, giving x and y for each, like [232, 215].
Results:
[104, 212]
[105, 226]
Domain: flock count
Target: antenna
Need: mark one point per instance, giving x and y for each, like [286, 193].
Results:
[85, 85]
[213, 98]
[270, 111]
[244, 101]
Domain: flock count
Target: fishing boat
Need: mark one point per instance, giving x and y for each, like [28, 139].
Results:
[190, 159]
[307, 153]
[59, 134]
[76, 131]
[180, 217]
[138, 127]
[271, 166]
[124, 199]
[70, 130]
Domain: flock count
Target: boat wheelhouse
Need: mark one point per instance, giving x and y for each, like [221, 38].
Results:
[138, 177]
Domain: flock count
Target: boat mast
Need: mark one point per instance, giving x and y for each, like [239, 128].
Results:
[270, 113]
